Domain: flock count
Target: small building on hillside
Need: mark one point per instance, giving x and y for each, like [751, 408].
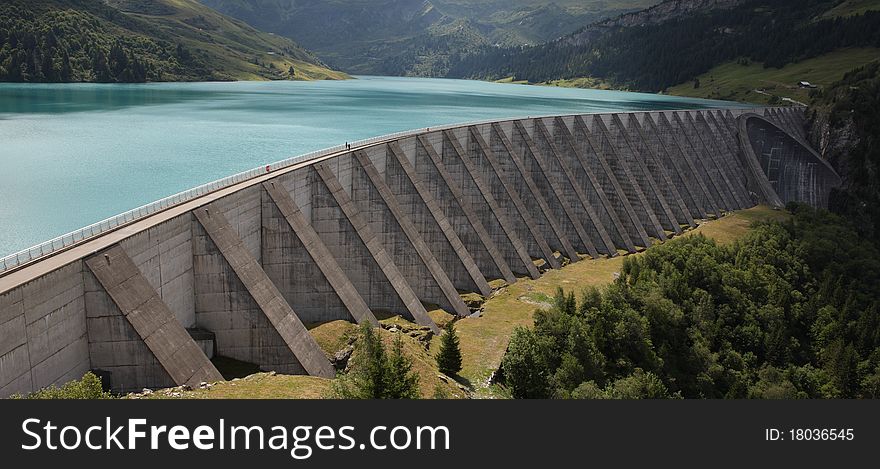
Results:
[805, 84]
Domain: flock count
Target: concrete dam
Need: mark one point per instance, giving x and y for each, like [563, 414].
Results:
[394, 225]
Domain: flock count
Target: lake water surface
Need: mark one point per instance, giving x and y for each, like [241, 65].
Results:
[74, 154]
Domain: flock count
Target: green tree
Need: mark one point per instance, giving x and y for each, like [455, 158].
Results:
[367, 378]
[449, 356]
[66, 73]
[118, 61]
[524, 366]
[100, 67]
[871, 385]
[402, 381]
[375, 374]
[639, 385]
[588, 390]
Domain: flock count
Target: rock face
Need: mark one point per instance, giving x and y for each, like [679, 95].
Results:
[842, 126]
[340, 358]
[833, 140]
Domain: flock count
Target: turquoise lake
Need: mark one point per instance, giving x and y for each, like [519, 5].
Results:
[74, 154]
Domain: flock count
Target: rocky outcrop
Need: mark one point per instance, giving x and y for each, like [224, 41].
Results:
[833, 140]
[842, 126]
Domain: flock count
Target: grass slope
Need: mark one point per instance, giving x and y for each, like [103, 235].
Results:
[233, 45]
[735, 82]
[852, 7]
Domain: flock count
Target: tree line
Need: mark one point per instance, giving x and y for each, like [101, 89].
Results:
[67, 45]
[790, 311]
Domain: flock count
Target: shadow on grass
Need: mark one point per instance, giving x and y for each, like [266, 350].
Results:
[231, 368]
[463, 381]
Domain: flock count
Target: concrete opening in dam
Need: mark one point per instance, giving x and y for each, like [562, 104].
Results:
[394, 225]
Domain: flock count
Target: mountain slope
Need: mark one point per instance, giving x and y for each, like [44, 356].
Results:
[141, 40]
[416, 37]
[674, 42]
[355, 35]
[752, 82]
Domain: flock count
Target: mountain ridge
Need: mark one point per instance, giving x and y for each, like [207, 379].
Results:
[413, 37]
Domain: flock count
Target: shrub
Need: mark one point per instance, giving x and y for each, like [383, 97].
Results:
[89, 387]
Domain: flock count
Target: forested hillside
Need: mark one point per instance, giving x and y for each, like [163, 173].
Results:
[791, 311]
[417, 37]
[140, 40]
[652, 53]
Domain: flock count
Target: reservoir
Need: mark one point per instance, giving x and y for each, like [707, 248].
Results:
[74, 154]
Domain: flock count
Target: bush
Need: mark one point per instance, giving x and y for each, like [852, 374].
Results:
[89, 387]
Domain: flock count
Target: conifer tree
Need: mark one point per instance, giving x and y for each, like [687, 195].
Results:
[403, 383]
[376, 374]
[449, 356]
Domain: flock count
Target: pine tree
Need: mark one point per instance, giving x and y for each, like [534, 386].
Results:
[375, 373]
[118, 63]
[449, 357]
[50, 74]
[100, 68]
[66, 73]
[367, 378]
[403, 383]
[373, 368]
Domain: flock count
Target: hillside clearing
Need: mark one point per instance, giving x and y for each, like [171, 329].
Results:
[735, 82]
[851, 7]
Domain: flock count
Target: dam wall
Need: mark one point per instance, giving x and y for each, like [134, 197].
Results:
[790, 170]
[397, 226]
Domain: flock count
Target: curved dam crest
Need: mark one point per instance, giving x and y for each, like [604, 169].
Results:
[396, 226]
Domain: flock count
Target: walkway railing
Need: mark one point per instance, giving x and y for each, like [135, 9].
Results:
[65, 241]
